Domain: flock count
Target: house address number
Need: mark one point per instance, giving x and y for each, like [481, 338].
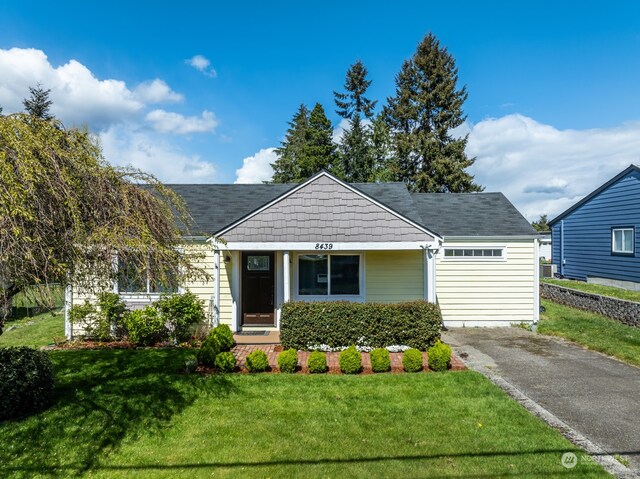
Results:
[324, 245]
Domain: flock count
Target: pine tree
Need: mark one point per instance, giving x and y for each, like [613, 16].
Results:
[286, 168]
[319, 153]
[355, 145]
[426, 108]
[542, 225]
[39, 103]
[307, 148]
[385, 168]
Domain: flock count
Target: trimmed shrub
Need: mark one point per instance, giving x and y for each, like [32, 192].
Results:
[380, 360]
[145, 327]
[225, 361]
[288, 361]
[26, 382]
[181, 312]
[224, 336]
[412, 361]
[350, 361]
[439, 357]
[257, 361]
[317, 362]
[102, 321]
[341, 323]
[209, 350]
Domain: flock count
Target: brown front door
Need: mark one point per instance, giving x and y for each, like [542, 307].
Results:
[258, 289]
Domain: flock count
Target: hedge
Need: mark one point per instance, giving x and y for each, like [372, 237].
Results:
[26, 382]
[338, 324]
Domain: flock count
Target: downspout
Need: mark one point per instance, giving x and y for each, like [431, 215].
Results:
[68, 302]
[536, 276]
[216, 287]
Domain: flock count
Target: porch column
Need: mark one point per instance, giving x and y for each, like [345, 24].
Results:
[285, 276]
[68, 302]
[216, 286]
[430, 274]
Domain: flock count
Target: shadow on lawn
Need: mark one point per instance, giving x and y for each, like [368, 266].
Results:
[103, 397]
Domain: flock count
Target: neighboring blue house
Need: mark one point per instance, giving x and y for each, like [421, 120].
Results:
[596, 239]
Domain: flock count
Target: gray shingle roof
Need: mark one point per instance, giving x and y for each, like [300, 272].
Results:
[214, 207]
[471, 214]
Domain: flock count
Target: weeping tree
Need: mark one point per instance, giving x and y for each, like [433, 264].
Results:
[67, 215]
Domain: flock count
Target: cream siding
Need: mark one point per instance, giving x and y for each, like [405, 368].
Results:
[393, 276]
[204, 289]
[488, 292]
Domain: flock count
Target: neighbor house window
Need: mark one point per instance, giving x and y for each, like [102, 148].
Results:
[474, 253]
[328, 275]
[135, 278]
[622, 241]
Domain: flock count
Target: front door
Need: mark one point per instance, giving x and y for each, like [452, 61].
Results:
[258, 289]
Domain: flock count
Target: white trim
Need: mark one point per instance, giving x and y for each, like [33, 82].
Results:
[236, 293]
[431, 275]
[216, 287]
[338, 246]
[536, 286]
[68, 304]
[425, 276]
[480, 259]
[346, 185]
[279, 286]
[360, 298]
[623, 229]
[286, 277]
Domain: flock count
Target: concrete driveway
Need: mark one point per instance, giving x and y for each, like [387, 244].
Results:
[596, 396]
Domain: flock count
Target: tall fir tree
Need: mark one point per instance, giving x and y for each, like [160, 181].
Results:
[307, 148]
[355, 148]
[287, 169]
[385, 167]
[425, 110]
[38, 103]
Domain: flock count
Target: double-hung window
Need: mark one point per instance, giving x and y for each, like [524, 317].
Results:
[622, 240]
[140, 278]
[329, 275]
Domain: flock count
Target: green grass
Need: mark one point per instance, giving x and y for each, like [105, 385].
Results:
[35, 331]
[592, 330]
[596, 289]
[134, 413]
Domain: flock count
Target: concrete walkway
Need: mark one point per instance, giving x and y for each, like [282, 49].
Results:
[596, 396]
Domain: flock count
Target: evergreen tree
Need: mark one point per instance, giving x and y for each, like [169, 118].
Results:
[286, 168]
[355, 146]
[542, 225]
[426, 108]
[319, 153]
[385, 167]
[39, 103]
[307, 148]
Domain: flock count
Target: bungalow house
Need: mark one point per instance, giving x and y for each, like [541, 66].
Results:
[324, 239]
[596, 239]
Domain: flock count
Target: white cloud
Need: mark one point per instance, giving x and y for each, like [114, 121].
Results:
[78, 96]
[169, 122]
[257, 168]
[203, 65]
[545, 170]
[157, 91]
[123, 146]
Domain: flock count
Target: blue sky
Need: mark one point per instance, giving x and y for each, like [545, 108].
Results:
[553, 106]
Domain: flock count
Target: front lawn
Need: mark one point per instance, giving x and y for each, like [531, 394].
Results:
[591, 330]
[127, 412]
[595, 289]
[35, 331]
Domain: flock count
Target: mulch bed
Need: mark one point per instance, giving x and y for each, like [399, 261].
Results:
[272, 351]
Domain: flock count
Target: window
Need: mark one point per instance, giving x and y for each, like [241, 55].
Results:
[622, 240]
[136, 278]
[329, 275]
[474, 253]
[258, 263]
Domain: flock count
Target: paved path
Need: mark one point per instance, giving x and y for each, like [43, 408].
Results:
[597, 396]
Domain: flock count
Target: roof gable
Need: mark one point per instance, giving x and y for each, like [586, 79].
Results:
[325, 209]
[596, 192]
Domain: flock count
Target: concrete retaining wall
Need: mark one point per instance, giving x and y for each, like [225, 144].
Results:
[626, 312]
